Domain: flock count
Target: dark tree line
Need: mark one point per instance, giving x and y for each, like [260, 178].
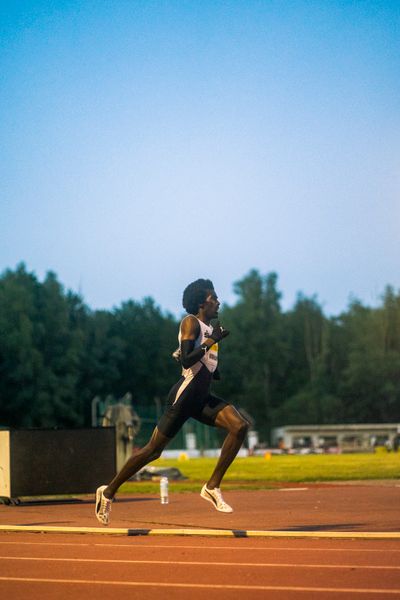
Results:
[287, 367]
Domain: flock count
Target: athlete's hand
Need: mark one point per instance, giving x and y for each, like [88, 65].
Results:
[218, 332]
[177, 355]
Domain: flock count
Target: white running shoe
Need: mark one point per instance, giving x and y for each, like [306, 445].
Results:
[103, 506]
[216, 498]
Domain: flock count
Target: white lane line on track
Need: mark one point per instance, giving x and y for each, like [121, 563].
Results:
[53, 544]
[258, 548]
[283, 588]
[197, 563]
[207, 548]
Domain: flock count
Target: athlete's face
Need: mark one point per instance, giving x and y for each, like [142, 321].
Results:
[211, 305]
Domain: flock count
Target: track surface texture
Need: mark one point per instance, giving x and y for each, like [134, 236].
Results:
[47, 566]
[63, 565]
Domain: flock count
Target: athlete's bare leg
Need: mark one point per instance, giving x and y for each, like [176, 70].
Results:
[230, 419]
[139, 459]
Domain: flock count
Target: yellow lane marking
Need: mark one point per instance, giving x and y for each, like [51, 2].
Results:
[207, 532]
[213, 586]
[53, 529]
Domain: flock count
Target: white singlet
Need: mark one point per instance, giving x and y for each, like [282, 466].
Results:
[210, 359]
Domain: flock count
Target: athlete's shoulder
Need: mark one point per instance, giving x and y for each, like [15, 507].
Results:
[190, 325]
[190, 321]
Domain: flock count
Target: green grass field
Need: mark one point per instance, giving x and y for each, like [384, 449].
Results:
[260, 473]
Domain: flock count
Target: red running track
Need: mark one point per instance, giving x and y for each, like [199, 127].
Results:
[55, 566]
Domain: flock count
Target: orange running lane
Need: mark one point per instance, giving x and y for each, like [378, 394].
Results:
[48, 566]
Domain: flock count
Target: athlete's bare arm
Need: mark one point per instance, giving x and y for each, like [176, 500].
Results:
[190, 328]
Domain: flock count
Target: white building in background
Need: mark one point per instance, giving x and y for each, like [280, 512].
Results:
[347, 438]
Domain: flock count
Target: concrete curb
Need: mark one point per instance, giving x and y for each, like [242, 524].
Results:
[237, 533]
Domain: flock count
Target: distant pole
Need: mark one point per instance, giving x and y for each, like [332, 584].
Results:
[95, 403]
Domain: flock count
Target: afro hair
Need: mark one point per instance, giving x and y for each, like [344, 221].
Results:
[195, 294]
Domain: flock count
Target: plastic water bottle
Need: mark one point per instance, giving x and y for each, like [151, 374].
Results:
[164, 490]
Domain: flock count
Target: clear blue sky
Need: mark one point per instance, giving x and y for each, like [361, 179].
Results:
[148, 143]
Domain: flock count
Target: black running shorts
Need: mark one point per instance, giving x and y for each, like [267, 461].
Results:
[195, 401]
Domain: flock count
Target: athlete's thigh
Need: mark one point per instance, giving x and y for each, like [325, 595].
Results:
[230, 418]
[158, 440]
[180, 407]
[212, 407]
[172, 420]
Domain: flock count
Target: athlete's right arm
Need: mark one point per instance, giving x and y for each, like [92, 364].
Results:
[190, 330]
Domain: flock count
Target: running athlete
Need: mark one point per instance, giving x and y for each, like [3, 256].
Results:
[190, 397]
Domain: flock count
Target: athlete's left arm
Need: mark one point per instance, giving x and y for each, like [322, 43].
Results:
[190, 330]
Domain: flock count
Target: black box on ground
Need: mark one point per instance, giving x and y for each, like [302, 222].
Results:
[50, 462]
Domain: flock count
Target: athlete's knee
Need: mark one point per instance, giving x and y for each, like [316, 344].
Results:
[244, 428]
[240, 428]
[153, 451]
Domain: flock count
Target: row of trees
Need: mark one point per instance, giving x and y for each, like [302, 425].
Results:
[300, 367]
[282, 367]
